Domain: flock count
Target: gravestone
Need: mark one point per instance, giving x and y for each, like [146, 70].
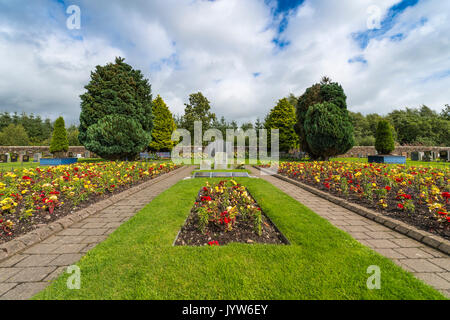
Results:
[70, 154]
[205, 165]
[87, 154]
[220, 151]
[3, 158]
[427, 156]
[444, 155]
[37, 157]
[14, 157]
[25, 158]
[220, 161]
[78, 155]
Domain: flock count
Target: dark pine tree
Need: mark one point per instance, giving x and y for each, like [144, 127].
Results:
[116, 112]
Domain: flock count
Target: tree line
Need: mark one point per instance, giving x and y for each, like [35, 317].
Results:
[119, 118]
[30, 130]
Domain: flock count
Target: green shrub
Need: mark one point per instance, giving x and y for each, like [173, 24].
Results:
[384, 143]
[323, 92]
[329, 130]
[59, 142]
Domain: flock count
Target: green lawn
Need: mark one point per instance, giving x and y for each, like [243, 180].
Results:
[138, 260]
[409, 163]
[228, 170]
[17, 165]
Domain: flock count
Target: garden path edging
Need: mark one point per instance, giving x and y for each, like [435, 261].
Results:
[25, 241]
[424, 237]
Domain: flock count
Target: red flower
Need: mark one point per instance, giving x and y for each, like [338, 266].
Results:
[26, 178]
[446, 195]
[205, 189]
[213, 243]
[205, 199]
[442, 213]
[388, 188]
[401, 206]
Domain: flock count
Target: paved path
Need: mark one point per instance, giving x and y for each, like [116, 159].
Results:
[426, 263]
[25, 274]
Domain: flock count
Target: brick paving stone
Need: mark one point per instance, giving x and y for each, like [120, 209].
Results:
[94, 225]
[5, 287]
[443, 263]
[70, 248]
[422, 265]
[89, 247]
[37, 260]
[94, 239]
[42, 248]
[6, 273]
[389, 253]
[32, 274]
[426, 263]
[445, 275]
[380, 235]
[414, 253]
[93, 232]
[71, 232]
[55, 274]
[13, 260]
[434, 280]
[66, 259]
[24, 291]
[382, 244]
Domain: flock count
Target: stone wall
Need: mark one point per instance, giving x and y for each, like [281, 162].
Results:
[44, 151]
[356, 152]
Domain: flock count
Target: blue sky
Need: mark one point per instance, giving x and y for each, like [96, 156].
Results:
[243, 55]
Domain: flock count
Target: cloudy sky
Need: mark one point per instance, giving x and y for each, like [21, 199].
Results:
[243, 55]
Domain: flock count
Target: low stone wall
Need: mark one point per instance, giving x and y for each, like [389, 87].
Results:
[357, 152]
[44, 151]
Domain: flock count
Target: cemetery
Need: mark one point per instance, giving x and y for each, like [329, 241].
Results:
[222, 166]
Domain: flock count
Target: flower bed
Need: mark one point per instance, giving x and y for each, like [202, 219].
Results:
[226, 213]
[30, 197]
[416, 195]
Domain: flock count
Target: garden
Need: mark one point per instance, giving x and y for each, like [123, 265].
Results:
[140, 261]
[419, 195]
[33, 196]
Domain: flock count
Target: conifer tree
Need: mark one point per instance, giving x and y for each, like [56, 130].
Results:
[163, 126]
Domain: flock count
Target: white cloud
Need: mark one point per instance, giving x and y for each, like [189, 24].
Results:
[218, 48]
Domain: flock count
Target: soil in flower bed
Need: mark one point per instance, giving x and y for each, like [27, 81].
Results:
[420, 218]
[216, 233]
[26, 225]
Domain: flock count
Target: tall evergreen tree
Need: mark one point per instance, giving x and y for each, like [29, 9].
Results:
[329, 130]
[163, 127]
[116, 112]
[59, 142]
[322, 95]
[384, 143]
[282, 117]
